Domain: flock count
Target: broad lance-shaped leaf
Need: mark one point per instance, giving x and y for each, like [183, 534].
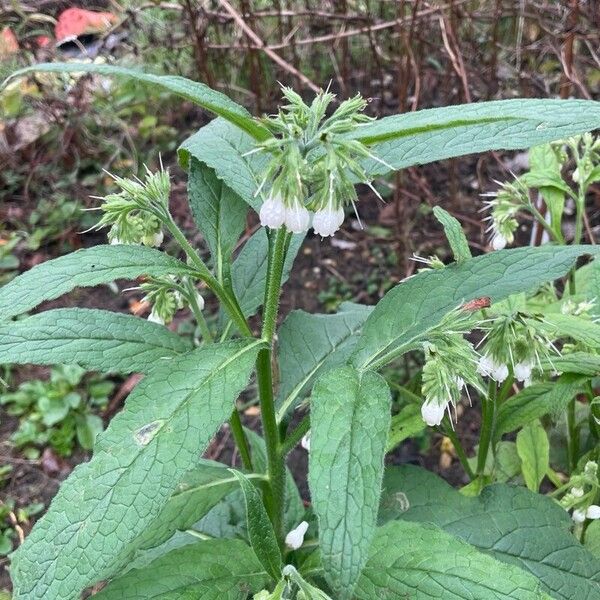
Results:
[224, 148]
[195, 495]
[421, 562]
[97, 340]
[94, 522]
[535, 401]
[511, 523]
[570, 326]
[83, 268]
[409, 310]
[198, 93]
[219, 212]
[260, 530]
[454, 234]
[534, 451]
[350, 417]
[425, 136]
[249, 270]
[311, 344]
[207, 570]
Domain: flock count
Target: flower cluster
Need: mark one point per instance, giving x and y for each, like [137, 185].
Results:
[450, 366]
[586, 151]
[581, 493]
[134, 213]
[314, 164]
[514, 340]
[504, 205]
[167, 295]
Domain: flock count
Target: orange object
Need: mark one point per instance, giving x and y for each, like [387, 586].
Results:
[8, 42]
[74, 22]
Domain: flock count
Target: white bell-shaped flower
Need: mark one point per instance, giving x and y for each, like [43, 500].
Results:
[154, 317]
[500, 373]
[272, 212]
[200, 301]
[499, 242]
[433, 411]
[297, 217]
[115, 241]
[485, 366]
[327, 221]
[523, 370]
[578, 515]
[158, 238]
[593, 512]
[295, 538]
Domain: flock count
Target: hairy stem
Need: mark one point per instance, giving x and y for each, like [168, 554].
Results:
[295, 436]
[450, 433]
[488, 409]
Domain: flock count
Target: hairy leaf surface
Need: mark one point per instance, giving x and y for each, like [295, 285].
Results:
[97, 340]
[511, 523]
[260, 530]
[421, 562]
[208, 570]
[310, 344]
[350, 417]
[428, 135]
[83, 268]
[219, 212]
[418, 304]
[198, 93]
[94, 522]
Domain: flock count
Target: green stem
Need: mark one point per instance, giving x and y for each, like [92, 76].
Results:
[200, 320]
[573, 436]
[488, 408]
[275, 492]
[450, 433]
[293, 438]
[556, 235]
[232, 307]
[228, 301]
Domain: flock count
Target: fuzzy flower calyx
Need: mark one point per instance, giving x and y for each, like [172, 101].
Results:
[314, 164]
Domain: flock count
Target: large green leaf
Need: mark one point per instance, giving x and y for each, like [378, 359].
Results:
[83, 268]
[421, 562]
[94, 522]
[428, 135]
[534, 451]
[224, 148]
[570, 326]
[582, 363]
[195, 495]
[511, 523]
[198, 93]
[249, 270]
[97, 340]
[311, 344]
[219, 212]
[260, 530]
[208, 570]
[536, 401]
[408, 311]
[350, 417]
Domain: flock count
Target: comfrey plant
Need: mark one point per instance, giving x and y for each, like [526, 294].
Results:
[147, 517]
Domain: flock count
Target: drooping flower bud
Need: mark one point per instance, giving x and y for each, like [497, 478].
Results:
[523, 370]
[499, 242]
[578, 515]
[295, 538]
[297, 217]
[433, 411]
[154, 317]
[327, 221]
[577, 492]
[272, 213]
[593, 512]
[305, 441]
